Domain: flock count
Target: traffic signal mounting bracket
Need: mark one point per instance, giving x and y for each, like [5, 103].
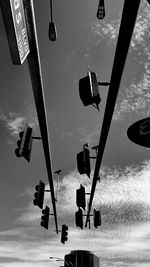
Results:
[95, 147]
[104, 83]
[36, 137]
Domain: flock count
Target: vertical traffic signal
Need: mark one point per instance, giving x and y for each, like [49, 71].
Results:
[18, 151]
[39, 194]
[27, 144]
[96, 218]
[88, 89]
[64, 233]
[79, 218]
[24, 144]
[83, 162]
[101, 10]
[80, 197]
[52, 32]
[45, 217]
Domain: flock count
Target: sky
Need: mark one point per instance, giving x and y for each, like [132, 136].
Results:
[123, 194]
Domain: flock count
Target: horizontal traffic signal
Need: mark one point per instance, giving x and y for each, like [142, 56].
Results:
[88, 89]
[64, 233]
[45, 217]
[39, 194]
[80, 197]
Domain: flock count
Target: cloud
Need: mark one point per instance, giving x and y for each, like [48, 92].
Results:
[135, 96]
[122, 195]
[123, 198]
[15, 122]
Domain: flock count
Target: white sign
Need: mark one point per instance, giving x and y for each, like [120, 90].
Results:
[20, 28]
[15, 25]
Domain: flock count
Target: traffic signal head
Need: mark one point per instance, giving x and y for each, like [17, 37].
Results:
[27, 144]
[101, 10]
[39, 194]
[64, 233]
[80, 197]
[45, 217]
[18, 151]
[88, 89]
[24, 144]
[52, 32]
[96, 218]
[79, 218]
[83, 162]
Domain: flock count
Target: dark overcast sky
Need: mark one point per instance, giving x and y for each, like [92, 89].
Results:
[124, 192]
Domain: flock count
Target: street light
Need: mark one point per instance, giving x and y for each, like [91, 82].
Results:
[52, 32]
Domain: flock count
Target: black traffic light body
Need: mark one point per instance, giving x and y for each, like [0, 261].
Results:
[101, 10]
[96, 218]
[45, 217]
[52, 32]
[88, 89]
[83, 162]
[64, 233]
[80, 197]
[39, 195]
[24, 144]
[79, 218]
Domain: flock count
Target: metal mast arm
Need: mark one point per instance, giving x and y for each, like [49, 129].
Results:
[129, 15]
[37, 85]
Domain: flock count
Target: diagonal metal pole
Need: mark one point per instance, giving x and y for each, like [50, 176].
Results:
[128, 19]
[38, 91]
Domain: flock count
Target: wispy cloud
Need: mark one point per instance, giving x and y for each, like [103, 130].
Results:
[135, 97]
[15, 122]
[123, 198]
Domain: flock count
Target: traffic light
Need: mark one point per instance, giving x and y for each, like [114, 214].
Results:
[18, 151]
[88, 89]
[101, 10]
[96, 218]
[45, 217]
[83, 162]
[24, 144]
[39, 194]
[52, 32]
[64, 233]
[79, 218]
[80, 197]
